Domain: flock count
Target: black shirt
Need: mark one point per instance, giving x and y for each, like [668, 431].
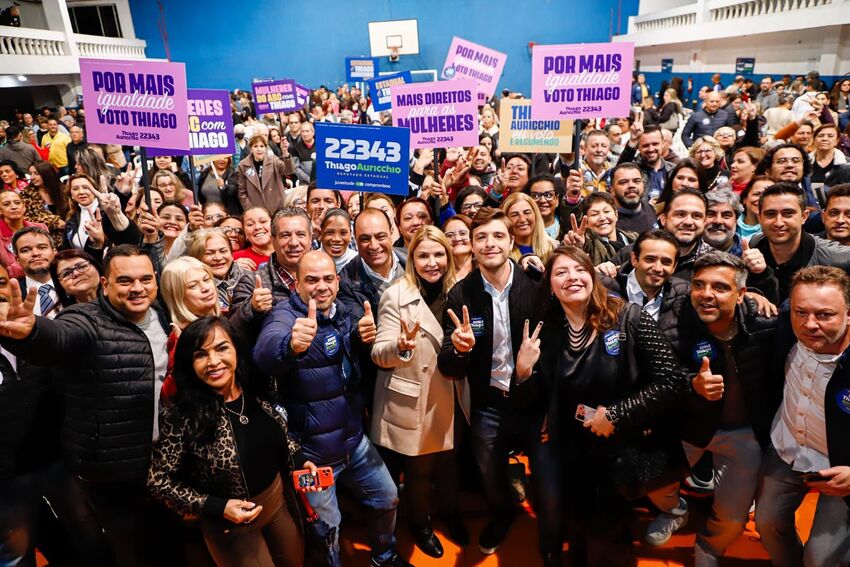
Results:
[260, 444]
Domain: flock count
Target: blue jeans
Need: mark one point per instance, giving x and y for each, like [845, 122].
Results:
[368, 479]
[781, 491]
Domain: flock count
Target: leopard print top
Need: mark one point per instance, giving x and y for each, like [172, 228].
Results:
[184, 471]
[35, 212]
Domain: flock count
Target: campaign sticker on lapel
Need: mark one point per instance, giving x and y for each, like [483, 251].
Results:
[612, 342]
[843, 399]
[702, 349]
[281, 411]
[331, 345]
[249, 172]
[477, 324]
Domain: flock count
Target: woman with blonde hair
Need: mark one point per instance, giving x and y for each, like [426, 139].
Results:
[414, 407]
[529, 232]
[172, 188]
[709, 153]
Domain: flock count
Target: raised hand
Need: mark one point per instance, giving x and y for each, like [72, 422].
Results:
[574, 184]
[636, 130]
[127, 180]
[304, 329]
[149, 224]
[529, 351]
[576, 235]
[108, 201]
[706, 383]
[501, 178]
[532, 262]
[407, 338]
[196, 218]
[94, 229]
[18, 319]
[463, 339]
[366, 325]
[261, 297]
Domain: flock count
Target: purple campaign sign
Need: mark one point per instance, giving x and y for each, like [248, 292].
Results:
[587, 80]
[210, 125]
[135, 102]
[275, 96]
[302, 95]
[469, 60]
[439, 114]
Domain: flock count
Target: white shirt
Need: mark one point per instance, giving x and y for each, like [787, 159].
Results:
[502, 367]
[798, 432]
[159, 347]
[639, 297]
[81, 236]
[13, 361]
[32, 287]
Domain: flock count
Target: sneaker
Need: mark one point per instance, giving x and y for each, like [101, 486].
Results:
[704, 558]
[661, 529]
[697, 486]
[394, 561]
[494, 534]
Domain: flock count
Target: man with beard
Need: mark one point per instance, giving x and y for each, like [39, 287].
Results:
[646, 143]
[784, 244]
[721, 221]
[319, 202]
[34, 251]
[633, 209]
[615, 137]
[595, 165]
[836, 217]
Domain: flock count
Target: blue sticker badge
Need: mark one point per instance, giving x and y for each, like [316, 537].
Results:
[703, 349]
[843, 399]
[281, 411]
[331, 344]
[477, 324]
[612, 342]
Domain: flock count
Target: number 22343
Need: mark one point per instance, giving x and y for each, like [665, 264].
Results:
[361, 150]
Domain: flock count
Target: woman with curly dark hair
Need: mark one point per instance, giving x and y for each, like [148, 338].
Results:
[224, 453]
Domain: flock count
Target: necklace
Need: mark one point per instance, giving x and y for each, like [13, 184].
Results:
[243, 419]
[578, 339]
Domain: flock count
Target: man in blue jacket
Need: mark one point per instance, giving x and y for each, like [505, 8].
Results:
[311, 345]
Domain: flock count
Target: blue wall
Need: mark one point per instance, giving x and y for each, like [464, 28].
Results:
[225, 44]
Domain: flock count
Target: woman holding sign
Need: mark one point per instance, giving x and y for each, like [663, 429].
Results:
[261, 177]
[415, 405]
[606, 363]
[217, 184]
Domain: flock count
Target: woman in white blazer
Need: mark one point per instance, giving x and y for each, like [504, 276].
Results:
[416, 407]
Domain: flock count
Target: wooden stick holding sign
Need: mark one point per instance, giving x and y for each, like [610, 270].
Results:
[146, 182]
[195, 188]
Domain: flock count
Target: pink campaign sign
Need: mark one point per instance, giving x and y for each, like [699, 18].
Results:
[438, 114]
[135, 103]
[467, 60]
[587, 80]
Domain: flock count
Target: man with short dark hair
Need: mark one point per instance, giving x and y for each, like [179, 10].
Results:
[57, 142]
[836, 215]
[634, 211]
[706, 121]
[725, 344]
[767, 97]
[78, 142]
[34, 250]
[483, 326]
[808, 437]
[310, 345]
[23, 154]
[319, 202]
[647, 142]
[113, 359]
[784, 244]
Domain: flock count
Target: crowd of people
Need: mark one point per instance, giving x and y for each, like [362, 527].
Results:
[667, 311]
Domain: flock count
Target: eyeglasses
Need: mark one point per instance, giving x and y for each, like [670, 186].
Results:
[460, 236]
[704, 152]
[470, 206]
[787, 160]
[545, 196]
[232, 230]
[77, 269]
[214, 217]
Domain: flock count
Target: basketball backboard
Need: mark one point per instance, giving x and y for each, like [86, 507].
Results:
[400, 35]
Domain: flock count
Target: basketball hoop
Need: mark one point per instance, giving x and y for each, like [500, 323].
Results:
[393, 54]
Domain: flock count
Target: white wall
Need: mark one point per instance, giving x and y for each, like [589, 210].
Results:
[648, 6]
[32, 16]
[775, 53]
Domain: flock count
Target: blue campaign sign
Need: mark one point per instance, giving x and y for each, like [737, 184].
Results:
[362, 158]
[360, 68]
[379, 89]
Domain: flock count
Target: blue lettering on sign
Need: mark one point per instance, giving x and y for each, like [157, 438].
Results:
[362, 158]
[379, 89]
[843, 400]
